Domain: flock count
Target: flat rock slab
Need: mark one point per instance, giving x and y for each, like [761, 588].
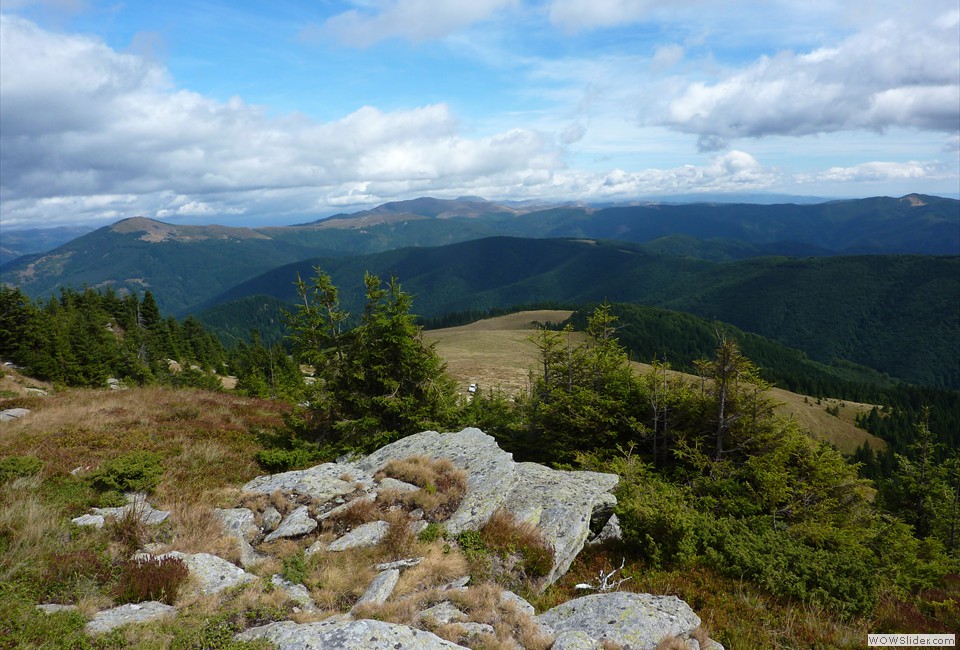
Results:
[363, 536]
[635, 621]
[212, 573]
[110, 619]
[97, 521]
[297, 523]
[346, 635]
[136, 503]
[323, 482]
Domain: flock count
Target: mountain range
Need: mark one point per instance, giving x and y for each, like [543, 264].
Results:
[874, 281]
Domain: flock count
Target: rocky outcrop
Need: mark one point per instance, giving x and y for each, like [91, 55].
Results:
[346, 635]
[634, 621]
[562, 505]
[211, 573]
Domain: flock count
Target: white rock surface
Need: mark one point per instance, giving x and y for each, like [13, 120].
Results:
[346, 635]
[296, 524]
[369, 534]
[212, 573]
[110, 619]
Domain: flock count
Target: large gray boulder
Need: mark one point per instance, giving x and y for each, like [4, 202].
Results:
[560, 504]
[490, 470]
[346, 635]
[110, 619]
[369, 534]
[635, 621]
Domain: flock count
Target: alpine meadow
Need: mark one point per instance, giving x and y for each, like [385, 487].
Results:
[516, 324]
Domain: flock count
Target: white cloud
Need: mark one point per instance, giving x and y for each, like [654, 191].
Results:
[877, 171]
[894, 74]
[411, 20]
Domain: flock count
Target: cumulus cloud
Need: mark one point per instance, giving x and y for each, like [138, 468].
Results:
[894, 74]
[80, 120]
[411, 20]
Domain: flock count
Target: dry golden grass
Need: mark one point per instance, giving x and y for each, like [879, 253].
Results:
[337, 580]
[438, 567]
[672, 643]
[442, 486]
[497, 352]
[83, 428]
[31, 527]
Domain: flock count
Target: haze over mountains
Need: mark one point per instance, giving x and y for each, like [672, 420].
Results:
[874, 281]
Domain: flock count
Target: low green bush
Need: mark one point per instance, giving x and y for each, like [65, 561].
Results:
[138, 471]
[16, 466]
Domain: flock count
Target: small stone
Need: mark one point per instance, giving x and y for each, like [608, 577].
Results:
[97, 521]
[296, 524]
[521, 605]
[271, 519]
[380, 589]
[239, 522]
[442, 613]
[459, 583]
[399, 564]
[369, 534]
[55, 608]
[297, 592]
[400, 486]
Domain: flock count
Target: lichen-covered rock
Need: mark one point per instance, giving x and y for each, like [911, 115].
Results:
[611, 531]
[369, 534]
[380, 589]
[560, 504]
[212, 573]
[388, 483]
[271, 519]
[575, 640]
[110, 619]
[297, 523]
[635, 621]
[55, 608]
[13, 414]
[346, 635]
[323, 483]
[489, 469]
[238, 522]
[518, 603]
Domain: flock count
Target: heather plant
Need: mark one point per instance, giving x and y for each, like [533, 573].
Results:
[151, 578]
[138, 471]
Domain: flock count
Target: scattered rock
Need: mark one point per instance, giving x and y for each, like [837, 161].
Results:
[442, 613]
[13, 414]
[238, 522]
[380, 589]
[297, 523]
[399, 564]
[110, 619]
[635, 621]
[97, 521]
[341, 508]
[212, 573]
[55, 608]
[517, 602]
[271, 519]
[36, 392]
[296, 592]
[346, 635]
[400, 486]
[136, 502]
[459, 583]
[369, 534]
[610, 532]
[475, 629]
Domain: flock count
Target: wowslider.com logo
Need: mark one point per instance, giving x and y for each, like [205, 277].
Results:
[911, 640]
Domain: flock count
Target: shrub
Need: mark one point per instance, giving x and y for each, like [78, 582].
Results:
[65, 570]
[151, 579]
[139, 471]
[432, 533]
[17, 466]
[295, 568]
[283, 460]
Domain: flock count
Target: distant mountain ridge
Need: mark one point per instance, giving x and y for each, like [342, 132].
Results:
[187, 265]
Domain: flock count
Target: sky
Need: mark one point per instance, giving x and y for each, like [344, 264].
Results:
[269, 113]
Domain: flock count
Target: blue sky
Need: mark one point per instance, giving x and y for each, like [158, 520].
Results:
[248, 113]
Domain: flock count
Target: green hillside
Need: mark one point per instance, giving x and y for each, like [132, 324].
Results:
[896, 314]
